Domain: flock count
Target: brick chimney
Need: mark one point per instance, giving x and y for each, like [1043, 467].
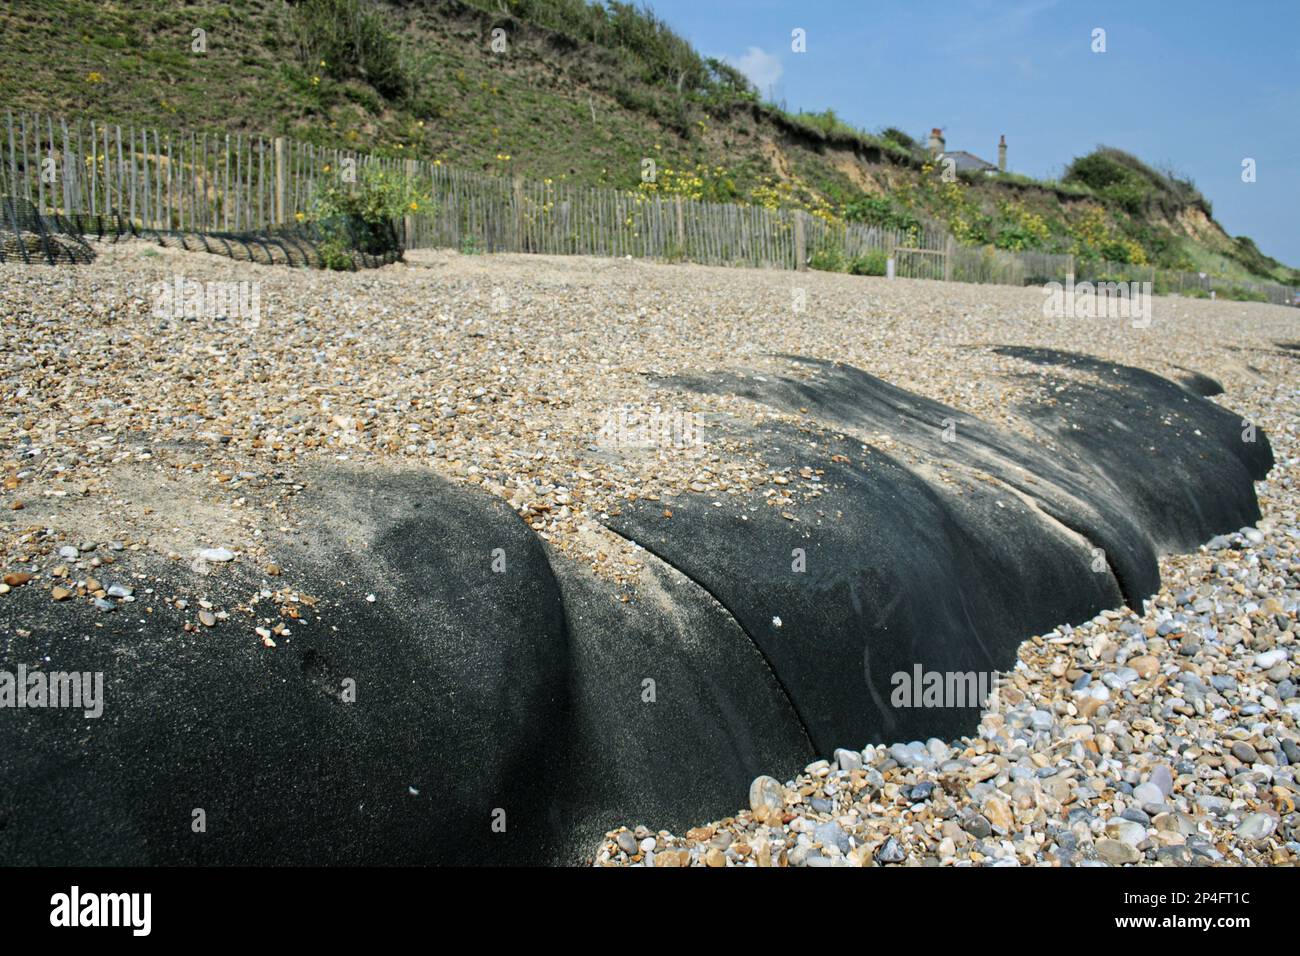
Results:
[936, 142]
[1002, 154]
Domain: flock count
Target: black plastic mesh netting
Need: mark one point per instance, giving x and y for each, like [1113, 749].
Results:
[27, 235]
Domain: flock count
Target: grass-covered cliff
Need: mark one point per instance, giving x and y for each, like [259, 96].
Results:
[574, 91]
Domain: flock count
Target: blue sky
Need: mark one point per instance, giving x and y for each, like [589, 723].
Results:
[1198, 85]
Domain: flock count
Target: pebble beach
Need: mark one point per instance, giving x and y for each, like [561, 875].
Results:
[1169, 737]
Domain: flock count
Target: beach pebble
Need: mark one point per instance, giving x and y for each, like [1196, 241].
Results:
[766, 793]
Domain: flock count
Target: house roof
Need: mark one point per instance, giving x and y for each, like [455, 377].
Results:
[968, 162]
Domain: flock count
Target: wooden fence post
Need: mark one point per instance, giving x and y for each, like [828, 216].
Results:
[800, 247]
[949, 251]
[517, 192]
[681, 228]
[281, 179]
[408, 221]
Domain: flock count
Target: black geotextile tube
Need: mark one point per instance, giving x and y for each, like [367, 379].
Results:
[21, 225]
[500, 681]
[62, 239]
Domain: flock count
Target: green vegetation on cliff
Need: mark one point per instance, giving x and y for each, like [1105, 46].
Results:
[574, 91]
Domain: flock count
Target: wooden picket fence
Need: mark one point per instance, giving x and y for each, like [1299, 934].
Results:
[1192, 284]
[211, 183]
[485, 213]
[195, 182]
[203, 182]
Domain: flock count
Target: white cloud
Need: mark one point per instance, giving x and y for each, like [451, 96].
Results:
[763, 69]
